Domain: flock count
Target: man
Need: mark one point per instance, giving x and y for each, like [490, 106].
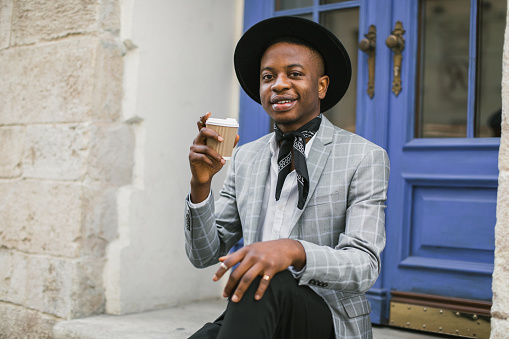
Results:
[308, 199]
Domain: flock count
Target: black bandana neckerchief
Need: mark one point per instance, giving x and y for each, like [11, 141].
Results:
[284, 160]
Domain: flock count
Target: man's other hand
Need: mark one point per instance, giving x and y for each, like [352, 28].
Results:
[263, 259]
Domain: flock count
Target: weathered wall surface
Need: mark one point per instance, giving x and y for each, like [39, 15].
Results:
[64, 152]
[500, 309]
[98, 107]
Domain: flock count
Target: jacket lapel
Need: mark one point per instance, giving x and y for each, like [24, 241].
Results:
[316, 160]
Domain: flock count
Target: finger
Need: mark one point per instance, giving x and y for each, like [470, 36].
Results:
[246, 264]
[223, 268]
[206, 133]
[246, 280]
[227, 262]
[203, 153]
[202, 120]
[264, 283]
[236, 140]
[233, 280]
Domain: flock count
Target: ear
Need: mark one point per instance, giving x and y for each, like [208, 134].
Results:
[323, 85]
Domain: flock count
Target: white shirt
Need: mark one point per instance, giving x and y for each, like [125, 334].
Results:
[276, 216]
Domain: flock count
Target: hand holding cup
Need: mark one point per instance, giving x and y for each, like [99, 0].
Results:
[205, 161]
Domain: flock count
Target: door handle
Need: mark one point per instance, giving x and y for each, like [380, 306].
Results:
[368, 46]
[396, 43]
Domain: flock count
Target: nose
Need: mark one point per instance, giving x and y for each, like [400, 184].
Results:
[281, 83]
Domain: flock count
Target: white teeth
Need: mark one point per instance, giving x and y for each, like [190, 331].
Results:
[284, 101]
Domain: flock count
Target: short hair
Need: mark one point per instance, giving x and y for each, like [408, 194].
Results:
[297, 41]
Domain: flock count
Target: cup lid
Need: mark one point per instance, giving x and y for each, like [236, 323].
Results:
[229, 122]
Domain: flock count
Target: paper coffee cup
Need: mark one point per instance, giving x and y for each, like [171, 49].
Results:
[227, 128]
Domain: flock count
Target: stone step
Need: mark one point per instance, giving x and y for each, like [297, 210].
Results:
[174, 323]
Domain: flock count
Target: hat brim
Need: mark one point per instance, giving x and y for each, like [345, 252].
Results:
[255, 40]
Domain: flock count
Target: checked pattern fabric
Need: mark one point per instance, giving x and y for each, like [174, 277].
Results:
[297, 140]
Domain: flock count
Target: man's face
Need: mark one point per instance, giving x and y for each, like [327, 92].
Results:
[291, 85]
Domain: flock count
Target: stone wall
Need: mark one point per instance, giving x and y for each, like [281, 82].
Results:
[64, 153]
[98, 107]
[500, 309]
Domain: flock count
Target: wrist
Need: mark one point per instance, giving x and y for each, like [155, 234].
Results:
[199, 191]
[299, 255]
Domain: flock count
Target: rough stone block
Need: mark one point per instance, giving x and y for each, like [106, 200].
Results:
[503, 154]
[499, 328]
[109, 16]
[36, 20]
[501, 271]
[56, 151]
[41, 217]
[100, 220]
[11, 151]
[70, 80]
[13, 277]
[108, 76]
[5, 23]
[502, 226]
[49, 285]
[500, 288]
[111, 157]
[87, 289]
[47, 83]
[67, 288]
[20, 322]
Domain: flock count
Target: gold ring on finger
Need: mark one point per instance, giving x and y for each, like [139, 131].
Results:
[266, 277]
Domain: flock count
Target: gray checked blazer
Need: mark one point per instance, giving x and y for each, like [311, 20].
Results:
[341, 226]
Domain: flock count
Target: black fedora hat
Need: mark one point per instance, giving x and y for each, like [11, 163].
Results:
[255, 40]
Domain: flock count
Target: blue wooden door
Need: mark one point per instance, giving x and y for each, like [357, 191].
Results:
[443, 142]
[442, 190]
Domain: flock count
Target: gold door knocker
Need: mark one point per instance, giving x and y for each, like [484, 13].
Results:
[396, 43]
[368, 46]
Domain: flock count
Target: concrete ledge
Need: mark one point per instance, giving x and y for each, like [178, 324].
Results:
[177, 322]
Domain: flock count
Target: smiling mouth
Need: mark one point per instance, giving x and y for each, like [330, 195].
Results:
[283, 105]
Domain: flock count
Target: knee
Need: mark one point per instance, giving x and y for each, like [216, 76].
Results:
[282, 281]
[281, 284]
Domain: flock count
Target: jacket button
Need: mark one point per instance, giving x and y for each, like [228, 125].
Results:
[188, 222]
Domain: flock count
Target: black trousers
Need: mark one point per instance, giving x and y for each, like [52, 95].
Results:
[286, 310]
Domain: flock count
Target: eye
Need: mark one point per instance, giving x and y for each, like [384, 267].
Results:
[295, 74]
[267, 76]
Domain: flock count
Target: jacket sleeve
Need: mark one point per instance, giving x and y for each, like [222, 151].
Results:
[210, 233]
[354, 264]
